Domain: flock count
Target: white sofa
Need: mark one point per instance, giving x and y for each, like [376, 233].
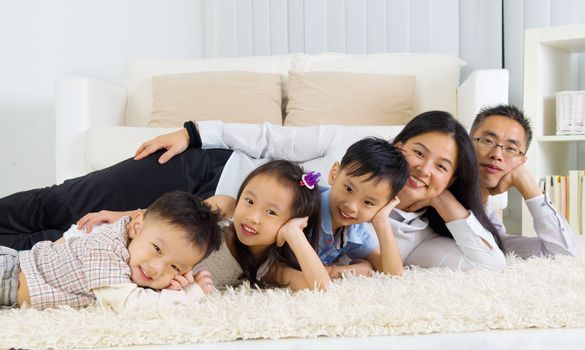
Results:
[99, 124]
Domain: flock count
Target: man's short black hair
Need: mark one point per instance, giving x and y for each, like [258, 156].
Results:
[508, 111]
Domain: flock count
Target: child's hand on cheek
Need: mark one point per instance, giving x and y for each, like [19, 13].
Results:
[181, 281]
[204, 280]
[291, 229]
[384, 212]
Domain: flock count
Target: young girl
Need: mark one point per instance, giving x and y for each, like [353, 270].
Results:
[272, 233]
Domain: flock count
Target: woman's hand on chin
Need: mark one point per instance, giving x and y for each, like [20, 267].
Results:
[448, 207]
[436, 202]
[418, 205]
[445, 198]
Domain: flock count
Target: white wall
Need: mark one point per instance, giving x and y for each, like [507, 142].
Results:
[41, 40]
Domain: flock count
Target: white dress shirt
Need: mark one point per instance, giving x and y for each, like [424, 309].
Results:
[553, 233]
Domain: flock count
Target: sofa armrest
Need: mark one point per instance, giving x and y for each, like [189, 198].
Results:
[483, 87]
[82, 103]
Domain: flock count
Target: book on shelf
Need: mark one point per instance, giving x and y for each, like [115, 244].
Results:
[564, 195]
[582, 203]
[556, 190]
[567, 194]
[574, 200]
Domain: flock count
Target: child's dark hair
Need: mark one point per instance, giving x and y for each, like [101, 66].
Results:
[508, 111]
[465, 186]
[306, 202]
[188, 212]
[379, 160]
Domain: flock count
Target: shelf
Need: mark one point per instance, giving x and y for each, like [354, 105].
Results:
[548, 69]
[561, 138]
[567, 38]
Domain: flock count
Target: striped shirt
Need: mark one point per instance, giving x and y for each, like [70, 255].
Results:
[65, 273]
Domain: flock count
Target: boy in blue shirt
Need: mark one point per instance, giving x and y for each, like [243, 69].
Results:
[355, 209]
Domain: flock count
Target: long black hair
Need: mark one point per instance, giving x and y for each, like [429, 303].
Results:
[306, 202]
[465, 187]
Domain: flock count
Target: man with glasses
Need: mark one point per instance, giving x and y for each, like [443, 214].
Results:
[501, 136]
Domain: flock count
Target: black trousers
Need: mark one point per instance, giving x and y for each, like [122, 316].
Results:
[44, 214]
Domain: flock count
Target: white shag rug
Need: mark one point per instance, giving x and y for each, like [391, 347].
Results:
[540, 293]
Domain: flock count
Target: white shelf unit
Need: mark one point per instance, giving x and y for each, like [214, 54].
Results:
[548, 68]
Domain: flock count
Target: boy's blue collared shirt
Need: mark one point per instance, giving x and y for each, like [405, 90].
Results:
[358, 240]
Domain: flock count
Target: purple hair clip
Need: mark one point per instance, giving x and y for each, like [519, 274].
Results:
[310, 179]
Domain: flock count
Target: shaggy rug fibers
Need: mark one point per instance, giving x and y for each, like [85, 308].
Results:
[541, 293]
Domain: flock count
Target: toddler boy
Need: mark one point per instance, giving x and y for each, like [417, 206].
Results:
[126, 264]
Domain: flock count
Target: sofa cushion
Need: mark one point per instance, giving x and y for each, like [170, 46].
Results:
[349, 98]
[437, 75]
[139, 73]
[232, 96]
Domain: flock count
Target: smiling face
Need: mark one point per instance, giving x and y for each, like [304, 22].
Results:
[493, 162]
[159, 252]
[432, 162]
[263, 207]
[353, 199]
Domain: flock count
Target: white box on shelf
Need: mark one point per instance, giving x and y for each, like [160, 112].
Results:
[570, 112]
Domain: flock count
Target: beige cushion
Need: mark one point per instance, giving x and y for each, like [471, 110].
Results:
[437, 75]
[231, 96]
[139, 73]
[349, 98]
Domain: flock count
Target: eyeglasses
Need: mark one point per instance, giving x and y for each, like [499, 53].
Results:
[507, 150]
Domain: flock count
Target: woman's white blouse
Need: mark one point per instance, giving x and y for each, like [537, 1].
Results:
[472, 247]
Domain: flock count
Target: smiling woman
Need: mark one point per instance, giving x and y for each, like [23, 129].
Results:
[440, 220]
[432, 158]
